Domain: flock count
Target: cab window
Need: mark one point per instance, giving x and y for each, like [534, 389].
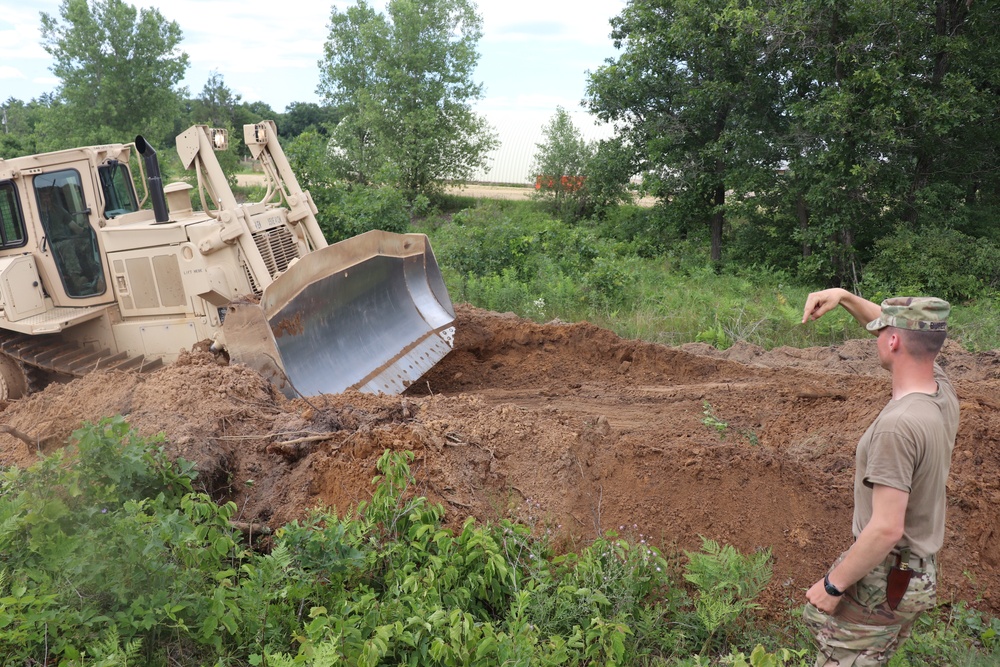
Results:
[12, 233]
[119, 195]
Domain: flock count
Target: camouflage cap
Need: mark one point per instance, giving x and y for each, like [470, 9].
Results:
[917, 313]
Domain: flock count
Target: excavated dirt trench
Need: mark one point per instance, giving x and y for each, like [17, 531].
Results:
[574, 429]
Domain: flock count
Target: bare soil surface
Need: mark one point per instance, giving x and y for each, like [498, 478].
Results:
[492, 191]
[570, 428]
[475, 190]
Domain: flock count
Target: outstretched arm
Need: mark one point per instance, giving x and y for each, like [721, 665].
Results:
[820, 303]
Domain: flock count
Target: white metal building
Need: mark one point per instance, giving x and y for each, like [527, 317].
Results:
[520, 133]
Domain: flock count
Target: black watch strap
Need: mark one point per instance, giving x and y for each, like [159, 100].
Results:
[830, 588]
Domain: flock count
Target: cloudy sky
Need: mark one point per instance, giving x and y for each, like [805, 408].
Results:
[534, 53]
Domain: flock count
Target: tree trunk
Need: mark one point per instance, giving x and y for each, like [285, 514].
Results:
[718, 219]
[971, 193]
[848, 269]
[802, 213]
[921, 179]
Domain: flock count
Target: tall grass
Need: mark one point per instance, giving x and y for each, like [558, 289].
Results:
[510, 256]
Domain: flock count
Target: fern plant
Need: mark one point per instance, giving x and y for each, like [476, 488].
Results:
[109, 652]
[727, 583]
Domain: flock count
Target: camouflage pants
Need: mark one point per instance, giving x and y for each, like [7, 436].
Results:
[863, 631]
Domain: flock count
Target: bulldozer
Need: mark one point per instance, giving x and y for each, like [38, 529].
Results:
[93, 276]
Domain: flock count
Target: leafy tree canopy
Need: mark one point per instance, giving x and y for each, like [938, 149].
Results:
[692, 94]
[564, 152]
[403, 80]
[302, 116]
[120, 68]
[826, 123]
[20, 120]
[217, 104]
[561, 164]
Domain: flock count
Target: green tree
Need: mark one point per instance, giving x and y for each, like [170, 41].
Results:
[693, 94]
[561, 165]
[892, 110]
[19, 134]
[119, 69]
[344, 209]
[217, 105]
[609, 175]
[404, 83]
[302, 116]
[260, 111]
[880, 114]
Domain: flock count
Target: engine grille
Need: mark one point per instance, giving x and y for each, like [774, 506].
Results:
[277, 247]
[254, 287]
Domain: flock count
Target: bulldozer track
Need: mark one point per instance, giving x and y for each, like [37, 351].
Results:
[55, 355]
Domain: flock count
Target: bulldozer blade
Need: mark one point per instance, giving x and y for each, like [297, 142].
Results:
[370, 313]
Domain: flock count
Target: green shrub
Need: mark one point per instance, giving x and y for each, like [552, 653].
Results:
[949, 637]
[108, 557]
[497, 236]
[118, 542]
[935, 262]
[348, 210]
[511, 257]
[612, 283]
[629, 583]
[644, 231]
[764, 241]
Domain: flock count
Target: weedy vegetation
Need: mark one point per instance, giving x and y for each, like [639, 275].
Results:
[632, 271]
[109, 555]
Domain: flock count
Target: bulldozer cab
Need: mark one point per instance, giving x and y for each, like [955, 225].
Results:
[69, 237]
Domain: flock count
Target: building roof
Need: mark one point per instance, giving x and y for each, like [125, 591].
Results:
[520, 132]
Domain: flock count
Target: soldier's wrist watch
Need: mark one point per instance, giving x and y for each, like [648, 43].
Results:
[830, 588]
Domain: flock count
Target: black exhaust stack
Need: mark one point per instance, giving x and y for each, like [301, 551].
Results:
[153, 179]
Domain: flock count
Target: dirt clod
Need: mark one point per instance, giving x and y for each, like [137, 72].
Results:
[573, 429]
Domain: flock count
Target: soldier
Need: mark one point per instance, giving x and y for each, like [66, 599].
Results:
[866, 604]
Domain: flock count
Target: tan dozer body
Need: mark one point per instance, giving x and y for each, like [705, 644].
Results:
[90, 280]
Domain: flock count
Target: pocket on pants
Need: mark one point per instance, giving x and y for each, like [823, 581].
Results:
[921, 593]
[838, 632]
[870, 590]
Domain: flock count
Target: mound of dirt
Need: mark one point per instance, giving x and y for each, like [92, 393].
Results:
[575, 430]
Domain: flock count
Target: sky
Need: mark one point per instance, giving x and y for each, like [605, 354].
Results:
[534, 54]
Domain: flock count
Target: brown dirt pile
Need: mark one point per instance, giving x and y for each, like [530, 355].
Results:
[574, 429]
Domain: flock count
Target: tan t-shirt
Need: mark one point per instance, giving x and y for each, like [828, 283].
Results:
[908, 447]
